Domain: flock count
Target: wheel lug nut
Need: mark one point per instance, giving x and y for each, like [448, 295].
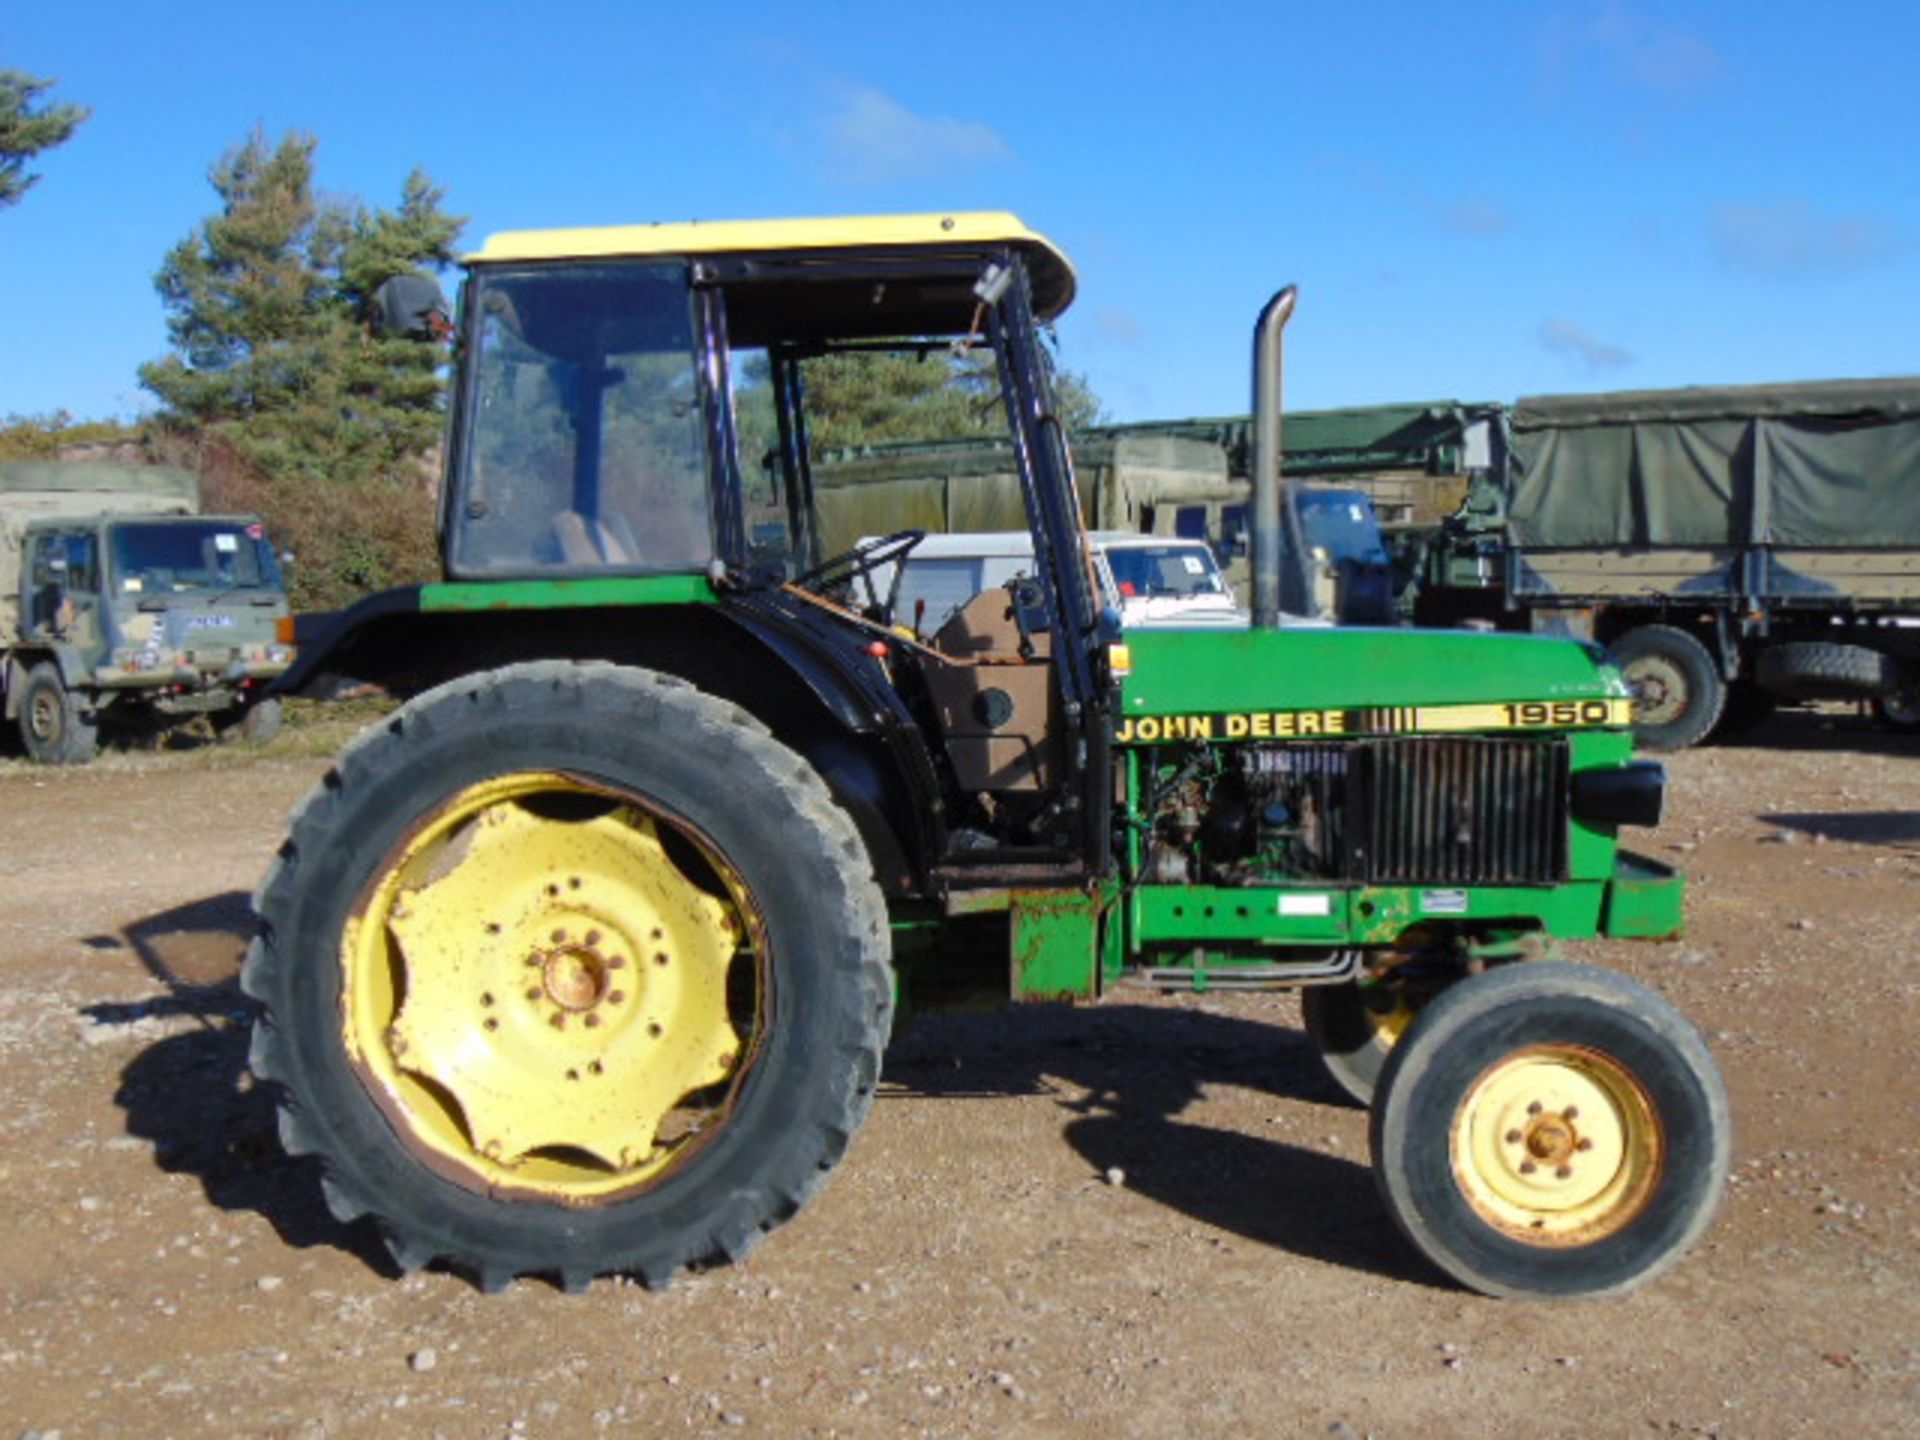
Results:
[1564, 1171]
[593, 1022]
[618, 962]
[614, 997]
[593, 937]
[1535, 1108]
[1584, 1145]
[559, 937]
[1572, 1112]
[533, 992]
[1527, 1167]
[1514, 1137]
[558, 1020]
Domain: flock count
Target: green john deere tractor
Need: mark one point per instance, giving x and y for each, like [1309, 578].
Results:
[584, 960]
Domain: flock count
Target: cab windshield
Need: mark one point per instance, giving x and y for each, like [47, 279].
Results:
[185, 557]
[1164, 571]
[584, 444]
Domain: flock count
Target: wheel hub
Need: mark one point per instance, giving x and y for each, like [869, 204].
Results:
[1658, 690]
[577, 979]
[551, 994]
[1556, 1147]
[44, 716]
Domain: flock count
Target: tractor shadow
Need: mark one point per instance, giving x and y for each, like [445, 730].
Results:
[1134, 1071]
[189, 1094]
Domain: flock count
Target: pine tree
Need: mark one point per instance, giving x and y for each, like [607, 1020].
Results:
[27, 127]
[866, 398]
[265, 305]
[273, 360]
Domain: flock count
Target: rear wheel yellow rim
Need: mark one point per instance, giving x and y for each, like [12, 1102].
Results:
[1557, 1146]
[553, 990]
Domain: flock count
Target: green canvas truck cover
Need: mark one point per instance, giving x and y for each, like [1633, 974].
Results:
[1826, 464]
[962, 486]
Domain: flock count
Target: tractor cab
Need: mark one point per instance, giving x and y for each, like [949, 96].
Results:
[636, 402]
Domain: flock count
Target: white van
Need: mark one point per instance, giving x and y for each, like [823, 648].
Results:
[1149, 579]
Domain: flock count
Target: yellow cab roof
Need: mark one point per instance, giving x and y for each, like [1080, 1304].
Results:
[1051, 272]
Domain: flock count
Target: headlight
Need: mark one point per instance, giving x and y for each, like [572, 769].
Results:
[1629, 794]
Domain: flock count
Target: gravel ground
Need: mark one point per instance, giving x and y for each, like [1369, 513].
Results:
[1151, 1217]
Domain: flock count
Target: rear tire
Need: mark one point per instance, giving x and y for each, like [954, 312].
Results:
[1551, 1132]
[1678, 693]
[55, 728]
[570, 969]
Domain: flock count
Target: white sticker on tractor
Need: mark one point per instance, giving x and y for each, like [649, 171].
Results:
[1443, 902]
[1306, 904]
[226, 544]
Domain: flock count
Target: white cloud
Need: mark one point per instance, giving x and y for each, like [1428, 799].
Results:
[1472, 214]
[1629, 48]
[872, 139]
[1564, 337]
[1794, 236]
[1654, 54]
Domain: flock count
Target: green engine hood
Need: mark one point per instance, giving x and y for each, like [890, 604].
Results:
[1357, 681]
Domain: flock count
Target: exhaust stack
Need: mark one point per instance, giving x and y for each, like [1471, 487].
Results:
[1271, 510]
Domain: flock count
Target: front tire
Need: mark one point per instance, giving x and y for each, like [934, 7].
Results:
[1678, 693]
[571, 969]
[1551, 1132]
[55, 728]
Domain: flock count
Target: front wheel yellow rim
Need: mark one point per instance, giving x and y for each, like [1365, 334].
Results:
[1557, 1146]
[553, 990]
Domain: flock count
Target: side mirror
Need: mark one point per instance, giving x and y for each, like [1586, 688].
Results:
[410, 307]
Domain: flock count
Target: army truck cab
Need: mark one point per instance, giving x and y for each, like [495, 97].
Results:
[584, 960]
[122, 607]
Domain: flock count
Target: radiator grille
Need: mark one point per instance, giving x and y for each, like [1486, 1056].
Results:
[1464, 811]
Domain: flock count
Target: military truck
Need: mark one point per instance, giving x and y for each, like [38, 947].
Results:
[584, 960]
[122, 606]
[1731, 547]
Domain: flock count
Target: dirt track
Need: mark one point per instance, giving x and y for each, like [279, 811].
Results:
[969, 1272]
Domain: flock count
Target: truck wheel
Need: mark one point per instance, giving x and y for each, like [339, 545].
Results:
[1826, 670]
[1354, 1027]
[1677, 689]
[1551, 1131]
[253, 724]
[570, 969]
[55, 728]
[1899, 709]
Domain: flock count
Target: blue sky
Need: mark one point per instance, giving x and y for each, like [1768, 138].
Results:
[1477, 200]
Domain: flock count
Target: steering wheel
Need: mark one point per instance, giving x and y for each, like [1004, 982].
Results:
[839, 572]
